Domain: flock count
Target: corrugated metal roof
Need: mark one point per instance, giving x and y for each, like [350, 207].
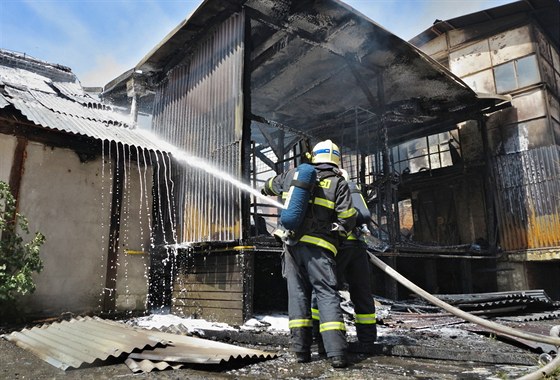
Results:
[24, 79]
[71, 344]
[71, 110]
[301, 55]
[3, 101]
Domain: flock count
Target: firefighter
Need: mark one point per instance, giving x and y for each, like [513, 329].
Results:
[352, 267]
[308, 260]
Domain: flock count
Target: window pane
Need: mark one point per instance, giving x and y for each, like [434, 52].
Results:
[505, 77]
[433, 141]
[434, 161]
[419, 164]
[417, 147]
[527, 71]
[395, 152]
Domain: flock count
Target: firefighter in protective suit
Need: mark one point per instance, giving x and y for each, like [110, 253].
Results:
[309, 255]
[352, 266]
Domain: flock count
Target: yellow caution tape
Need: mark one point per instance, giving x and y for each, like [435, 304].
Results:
[133, 252]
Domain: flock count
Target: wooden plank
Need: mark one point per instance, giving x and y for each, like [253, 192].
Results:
[229, 316]
[220, 268]
[208, 259]
[218, 304]
[225, 287]
[222, 295]
[213, 278]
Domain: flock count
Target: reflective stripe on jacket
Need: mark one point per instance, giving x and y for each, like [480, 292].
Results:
[331, 203]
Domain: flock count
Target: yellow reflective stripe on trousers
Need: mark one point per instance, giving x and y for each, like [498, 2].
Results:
[319, 242]
[315, 314]
[296, 323]
[323, 202]
[366, 319]
[332, 326]
[348, 213]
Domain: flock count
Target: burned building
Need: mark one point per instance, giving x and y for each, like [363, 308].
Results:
[246, 87]
[509, 50]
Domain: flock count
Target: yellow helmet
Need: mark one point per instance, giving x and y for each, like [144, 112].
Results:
[326, 152]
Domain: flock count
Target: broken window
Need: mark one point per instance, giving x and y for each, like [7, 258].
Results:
[427, 153]
[516, 74]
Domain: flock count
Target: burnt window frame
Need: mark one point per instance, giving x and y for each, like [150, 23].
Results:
[431, 151]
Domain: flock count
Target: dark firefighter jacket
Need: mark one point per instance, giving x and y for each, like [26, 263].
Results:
[330, 203]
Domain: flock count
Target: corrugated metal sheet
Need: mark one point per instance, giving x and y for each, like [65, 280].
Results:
[199, 109]
[53, 112]
[71, 344]
[527, 198]
[69, 107]
[148, 365]
[3, 101]
[72, 111]
[186, 349]
[24, 79]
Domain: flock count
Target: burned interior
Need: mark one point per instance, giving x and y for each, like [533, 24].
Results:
[250, 85]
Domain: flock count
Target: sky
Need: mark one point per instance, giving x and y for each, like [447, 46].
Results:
[101, 39]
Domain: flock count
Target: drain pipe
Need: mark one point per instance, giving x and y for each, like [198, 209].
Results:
[553, 340]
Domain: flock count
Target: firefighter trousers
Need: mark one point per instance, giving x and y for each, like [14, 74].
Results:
[353, 268]
[307, 269]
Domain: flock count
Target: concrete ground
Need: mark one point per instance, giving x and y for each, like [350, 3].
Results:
[456, 354]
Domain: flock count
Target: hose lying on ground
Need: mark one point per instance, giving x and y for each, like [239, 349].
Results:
[553, 340]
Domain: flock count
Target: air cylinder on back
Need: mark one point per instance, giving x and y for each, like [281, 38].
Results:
[298, 198]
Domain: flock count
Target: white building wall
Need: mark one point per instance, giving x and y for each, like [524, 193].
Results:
[70, 203]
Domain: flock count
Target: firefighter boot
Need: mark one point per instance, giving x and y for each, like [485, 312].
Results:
[339, 361]
[303, 357]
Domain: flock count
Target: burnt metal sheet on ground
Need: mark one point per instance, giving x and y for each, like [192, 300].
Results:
[74, 343]
[500, 302]
[186, 349]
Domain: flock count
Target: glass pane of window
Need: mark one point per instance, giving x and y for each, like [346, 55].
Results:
[527, 71]
[417, 147]
[505, 77]
[434, 161]
[433, 141]
[419, 164]
[395, 153]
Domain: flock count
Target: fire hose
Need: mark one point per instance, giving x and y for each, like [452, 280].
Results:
[554, 339]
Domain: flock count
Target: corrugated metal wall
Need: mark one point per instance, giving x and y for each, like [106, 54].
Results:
[199, 108]
[528, 198]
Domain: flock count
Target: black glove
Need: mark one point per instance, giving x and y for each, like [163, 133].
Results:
[263, 191]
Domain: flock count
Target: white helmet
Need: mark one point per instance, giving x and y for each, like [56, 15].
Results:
[326, 152]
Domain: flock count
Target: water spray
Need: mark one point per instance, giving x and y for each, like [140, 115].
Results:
[199, 163]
